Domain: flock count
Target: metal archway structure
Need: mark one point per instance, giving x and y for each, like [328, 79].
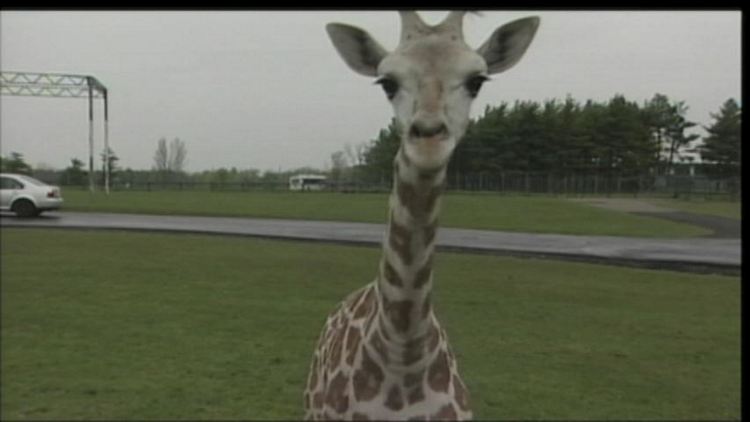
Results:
[60, 85]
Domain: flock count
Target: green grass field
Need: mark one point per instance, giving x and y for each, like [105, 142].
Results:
[533, 214]
[124, 326]
[717, 206]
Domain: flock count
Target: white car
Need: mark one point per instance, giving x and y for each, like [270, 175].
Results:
[26, 196]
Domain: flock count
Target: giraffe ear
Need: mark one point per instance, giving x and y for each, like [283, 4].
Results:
[507, 44]
[358, 49]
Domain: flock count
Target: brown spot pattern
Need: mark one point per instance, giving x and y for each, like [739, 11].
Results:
[383, 329]
[379, 346]
[399, 238]
[394, 401]
[438, 376]
[419, 204]
[329, 331]
[391, 275]
[336, 397]
[407, 195]
[344, 320]
[416, 395]
[368, 323]
[462, 397]
[413, 350]
[365, 305]
[446, 412]
[412, 354]
[429, 232]
[355, 300]
[318, 400]
[398, 312]
[353, 338]
[326, 358]
[356, 416]
[367, 379]
[413, 379]
[336, 348]
[432, 197]
[423, 275]
[413, 383]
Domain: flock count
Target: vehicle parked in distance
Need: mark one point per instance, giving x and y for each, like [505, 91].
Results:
[307, 182]
[26, 196]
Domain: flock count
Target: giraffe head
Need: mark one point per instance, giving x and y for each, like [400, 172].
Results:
[433, 76]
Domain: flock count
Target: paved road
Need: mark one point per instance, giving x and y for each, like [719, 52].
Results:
[702, 255]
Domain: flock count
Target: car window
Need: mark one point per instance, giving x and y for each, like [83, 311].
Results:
[32, 180]
[8, 183]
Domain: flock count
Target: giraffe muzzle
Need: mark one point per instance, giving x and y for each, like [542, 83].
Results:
[421, 130]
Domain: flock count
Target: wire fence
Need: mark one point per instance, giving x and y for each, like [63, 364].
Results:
[587, 184]
[503, 182]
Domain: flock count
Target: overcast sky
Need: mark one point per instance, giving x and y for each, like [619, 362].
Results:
[266, 90]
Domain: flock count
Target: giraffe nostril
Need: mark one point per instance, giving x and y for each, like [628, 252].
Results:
[419, 130]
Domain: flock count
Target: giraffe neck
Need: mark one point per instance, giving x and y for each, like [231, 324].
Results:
[405, 277]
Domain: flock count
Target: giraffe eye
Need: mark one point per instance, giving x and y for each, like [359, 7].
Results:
[474, 84]
[389, 85]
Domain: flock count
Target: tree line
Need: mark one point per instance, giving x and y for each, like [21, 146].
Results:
[168, 169]
[617, 137]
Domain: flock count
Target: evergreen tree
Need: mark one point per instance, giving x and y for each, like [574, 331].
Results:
[667, 123]
[74, 174]
[378, 159]
[721, 147]
[15, 164]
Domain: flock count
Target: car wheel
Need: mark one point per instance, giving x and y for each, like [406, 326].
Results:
[24, 208]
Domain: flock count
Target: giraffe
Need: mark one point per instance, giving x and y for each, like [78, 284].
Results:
[382, 354]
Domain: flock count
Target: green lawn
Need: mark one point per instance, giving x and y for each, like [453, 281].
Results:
[728, 209]
[116, 326]
[534, 214]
